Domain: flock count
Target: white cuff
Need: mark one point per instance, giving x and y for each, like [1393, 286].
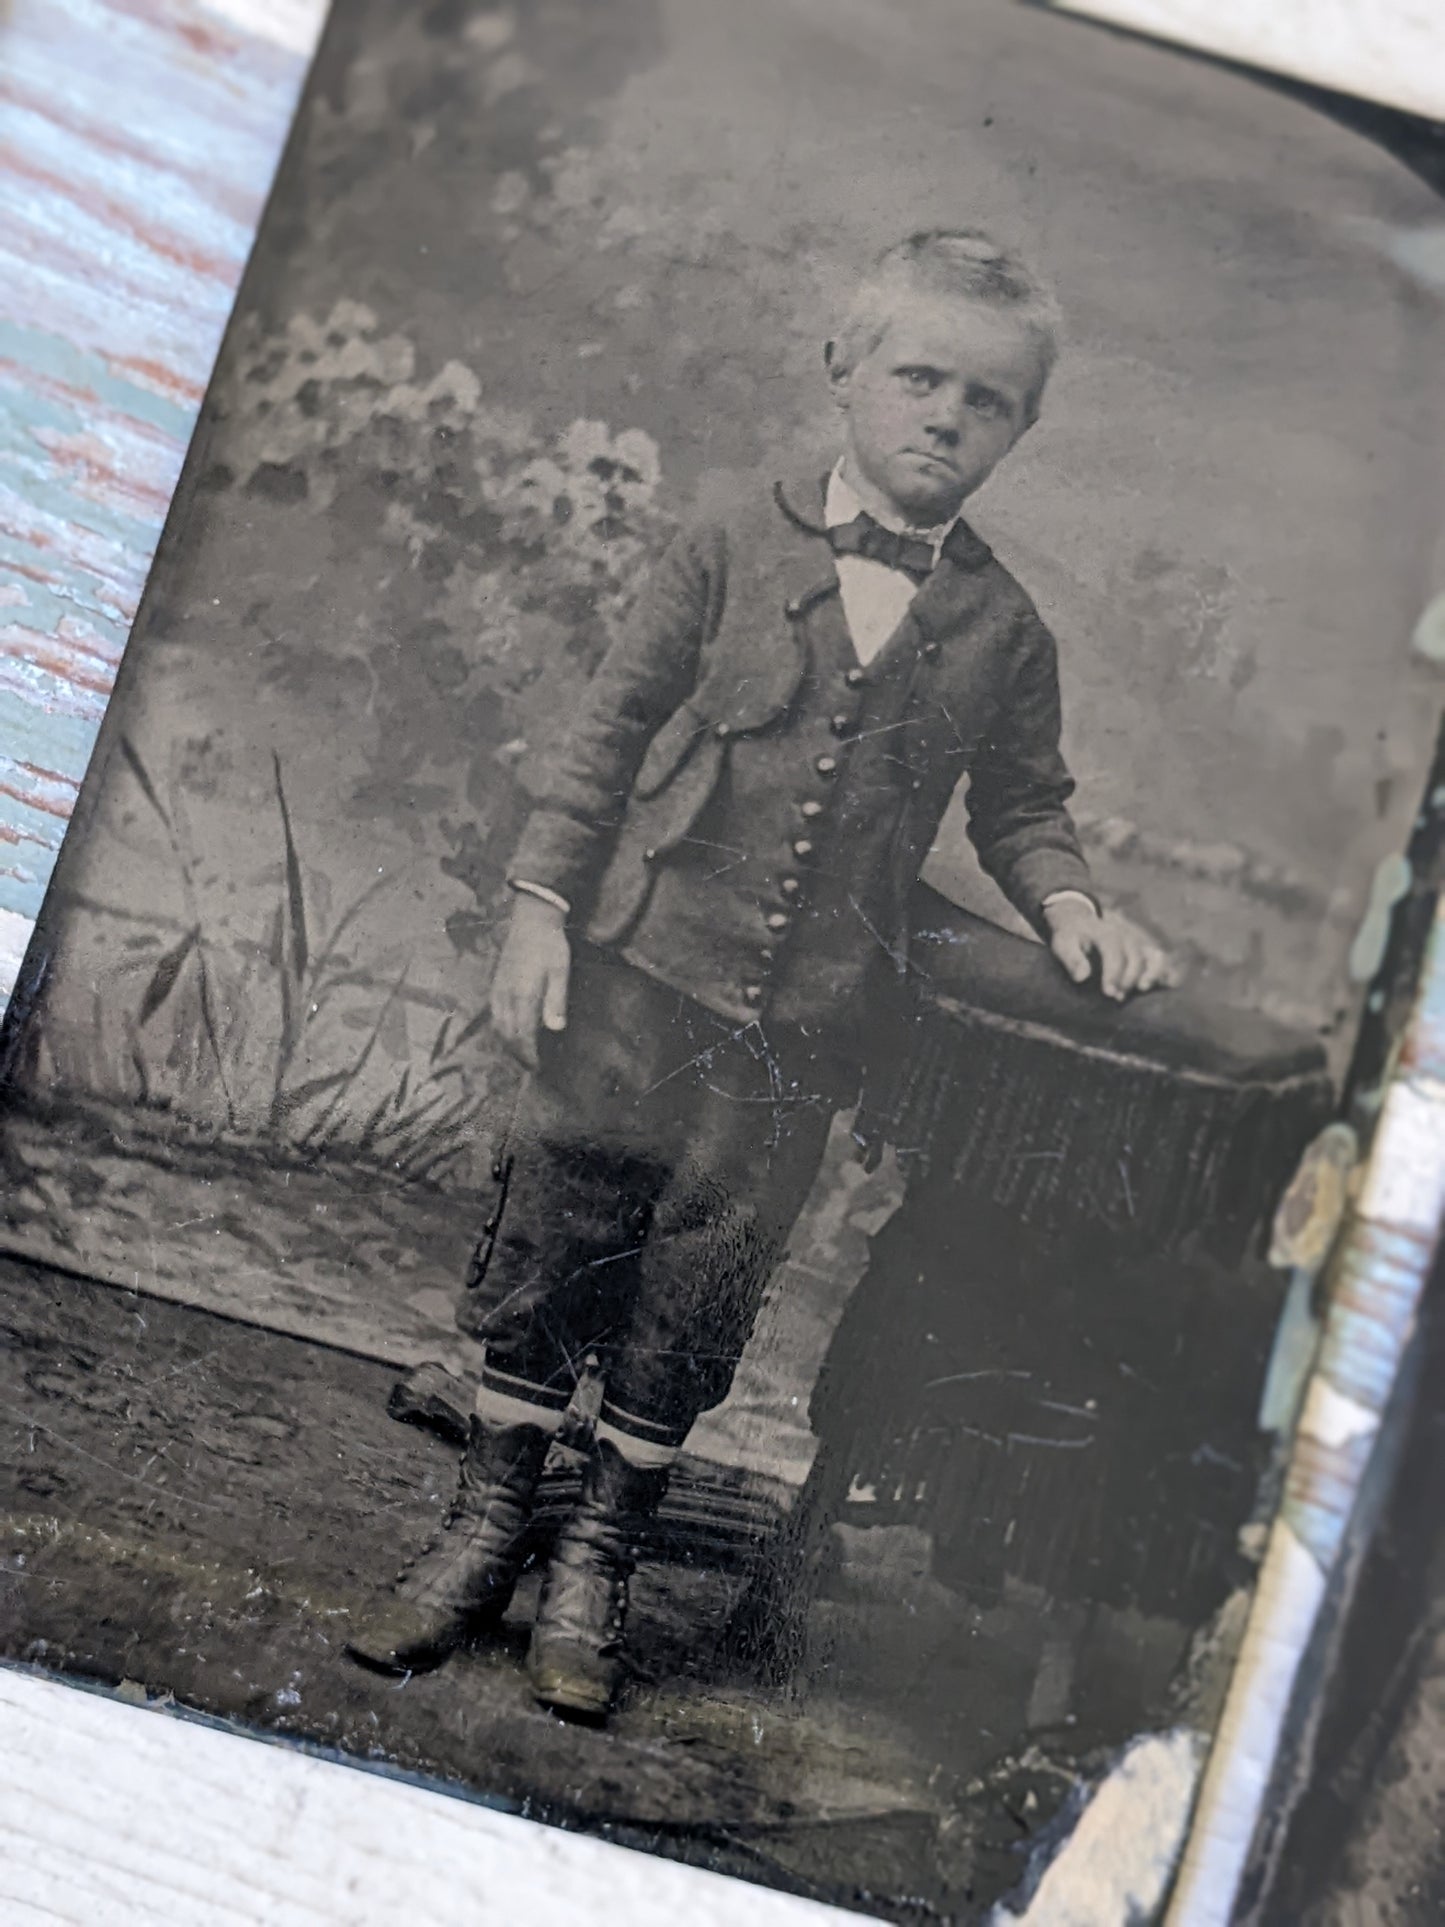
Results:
[1063, 896]
[540, 890]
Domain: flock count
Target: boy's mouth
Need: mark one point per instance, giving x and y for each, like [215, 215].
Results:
[938, 464]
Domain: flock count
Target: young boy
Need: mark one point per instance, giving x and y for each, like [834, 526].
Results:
[711, 912]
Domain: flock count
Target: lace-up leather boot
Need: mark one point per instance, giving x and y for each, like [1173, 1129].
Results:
[578, 1657]
[463, 1580]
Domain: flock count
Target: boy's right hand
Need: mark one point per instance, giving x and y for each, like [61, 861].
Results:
[529, 985]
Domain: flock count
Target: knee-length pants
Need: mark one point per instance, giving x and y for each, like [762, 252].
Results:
[649, 1183]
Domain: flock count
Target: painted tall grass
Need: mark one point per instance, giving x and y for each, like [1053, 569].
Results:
[196, 1023]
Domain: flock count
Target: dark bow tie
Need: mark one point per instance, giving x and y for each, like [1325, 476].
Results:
[866, 537]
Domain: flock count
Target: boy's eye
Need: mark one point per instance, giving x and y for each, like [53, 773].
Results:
[987, 402]
[920, 381]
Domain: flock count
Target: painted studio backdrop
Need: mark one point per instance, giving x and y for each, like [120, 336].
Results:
[535, 283]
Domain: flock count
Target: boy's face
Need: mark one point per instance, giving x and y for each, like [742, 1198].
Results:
[938, 403]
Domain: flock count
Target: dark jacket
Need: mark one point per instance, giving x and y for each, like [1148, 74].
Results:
[707, 669]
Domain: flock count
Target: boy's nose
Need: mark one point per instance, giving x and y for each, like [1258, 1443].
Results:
[945, 419]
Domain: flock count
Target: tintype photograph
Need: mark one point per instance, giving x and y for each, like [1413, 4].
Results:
[742, 842]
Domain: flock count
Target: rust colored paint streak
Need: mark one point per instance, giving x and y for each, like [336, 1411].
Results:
[235, 201]
[207, 42]
[51, 795]
[74, 642]
[76, 668]
[173, 383]
[210, 41]
[125, 460]
[119, 219]
[81, 564]
[103, 479]
[15, 837]
[185, 304]
[40, 576]
[1375, 1287]
[1322, 1481]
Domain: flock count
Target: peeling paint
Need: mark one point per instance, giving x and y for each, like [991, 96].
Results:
[1390, 883]
[102, 370]
[292, 24]
[1407, 1188]
[1309, 1214]
[1334, 1418]
[1116, 1862]
[1373, 1283]
[1287, 1599]
[1429, 637]
[1296, 1342]
[1420, 251]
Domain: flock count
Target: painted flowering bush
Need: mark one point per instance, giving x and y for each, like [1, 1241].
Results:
[508, 558]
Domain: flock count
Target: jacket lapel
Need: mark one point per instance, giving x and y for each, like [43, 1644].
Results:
[774, 577]
[958, 587]
[945, 604]
[779, 568]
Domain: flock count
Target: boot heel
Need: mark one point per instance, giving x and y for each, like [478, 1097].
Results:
[578, 1659]
[566, 1690]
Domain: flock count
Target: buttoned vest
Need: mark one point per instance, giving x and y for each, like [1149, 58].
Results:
[805, 821]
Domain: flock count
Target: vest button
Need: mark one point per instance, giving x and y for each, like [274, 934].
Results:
[752, 993]
[790, 886]
[930, 649]
[723, 729]
[841, 725]
[765, 955]
[802, 847]
[793, 607]
[778, 920]
[812, 808]
[826, 765]
[649, 855]
[853, 677]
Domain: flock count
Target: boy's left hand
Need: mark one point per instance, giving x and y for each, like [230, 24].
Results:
[1128, 958]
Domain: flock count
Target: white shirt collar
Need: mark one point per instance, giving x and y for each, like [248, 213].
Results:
[842, 503]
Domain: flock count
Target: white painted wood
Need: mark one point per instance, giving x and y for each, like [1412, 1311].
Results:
[1287, 1600]
[122, 1816]
[1122, 1852]
[1370, 1315]
[1386, 50]
[14, 935]
[1405, 1183]
[292, 24]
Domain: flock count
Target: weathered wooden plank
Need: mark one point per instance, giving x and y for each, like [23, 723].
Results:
[138, 139]
[1394, 53]
[201, 1826]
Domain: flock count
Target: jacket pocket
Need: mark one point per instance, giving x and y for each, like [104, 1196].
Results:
[651, 829]
[669, 749]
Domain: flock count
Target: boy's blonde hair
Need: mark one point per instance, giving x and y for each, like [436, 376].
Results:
[966, 263]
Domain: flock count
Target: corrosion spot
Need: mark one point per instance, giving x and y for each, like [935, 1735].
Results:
[1391, 881]
[1429, 637]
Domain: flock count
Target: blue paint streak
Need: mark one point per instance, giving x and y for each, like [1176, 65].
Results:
[76, 368]
[46, 739]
